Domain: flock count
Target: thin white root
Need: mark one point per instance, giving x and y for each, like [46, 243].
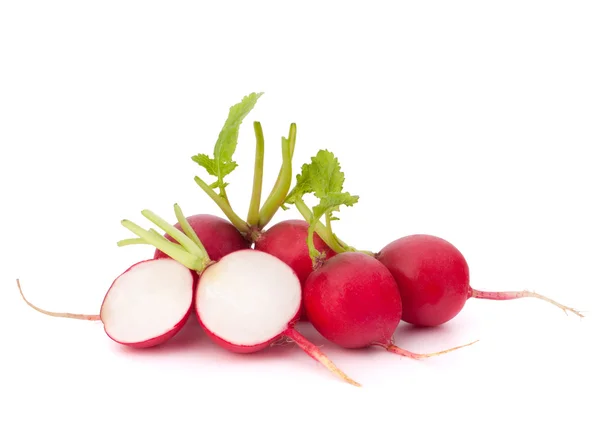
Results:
[93, 317]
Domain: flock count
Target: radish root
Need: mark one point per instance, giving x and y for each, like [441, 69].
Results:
[93, 317]
[512, 295]
[314, 352]
[394, 349]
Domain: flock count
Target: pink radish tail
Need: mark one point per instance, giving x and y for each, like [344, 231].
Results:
[93, 317]
[403, 352]
[314, 352]
[512, 295]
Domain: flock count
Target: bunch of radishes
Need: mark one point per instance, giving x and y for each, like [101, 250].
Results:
[249, 284]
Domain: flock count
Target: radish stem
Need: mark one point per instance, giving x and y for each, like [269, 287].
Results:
[512, 295]
[193, 256]
[178, 235]
[92, 317]
[314, 352]
[189, 231]
[321, 229]
[254, 208]
[282, 186]
[131, 241]
[224, 205]
[172, 250]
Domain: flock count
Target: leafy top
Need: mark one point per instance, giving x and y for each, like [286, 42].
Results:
[222, 163]
[324, 178]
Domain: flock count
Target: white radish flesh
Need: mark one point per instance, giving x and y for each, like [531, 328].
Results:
[248, 298]
[148, 301]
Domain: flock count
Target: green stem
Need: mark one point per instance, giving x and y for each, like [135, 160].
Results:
[321, 229]
[222, 203]
[131, 241]
[254, 209]
[178, 235]
[189, 231]
[283, 183]
[171, 249]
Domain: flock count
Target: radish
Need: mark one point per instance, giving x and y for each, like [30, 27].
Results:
[433, 277]
[351, 298]
[286, 240]
[145, 306]
[354, 302]
[246, 301]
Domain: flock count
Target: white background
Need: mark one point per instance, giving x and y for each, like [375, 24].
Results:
[475, 121]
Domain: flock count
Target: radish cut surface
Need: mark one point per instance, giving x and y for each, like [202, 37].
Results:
[147, 301]
[249, 297]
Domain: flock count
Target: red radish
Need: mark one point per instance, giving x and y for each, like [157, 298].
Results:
[286, 240]
[433, 278]
[219, 236]
[353, 301]
[246, 301]
[145, 306]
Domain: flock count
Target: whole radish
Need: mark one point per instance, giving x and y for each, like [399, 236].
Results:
[286, 240]
[218, 236]
[353, 301]
[431, 274]
[145, 306]
[433, 278]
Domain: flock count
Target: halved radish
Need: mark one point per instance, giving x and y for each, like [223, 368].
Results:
[244, 309]
[149, 303]
[245, 301]
[145, 306]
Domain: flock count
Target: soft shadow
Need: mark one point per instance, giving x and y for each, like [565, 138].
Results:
[190, 338]
[409, 329]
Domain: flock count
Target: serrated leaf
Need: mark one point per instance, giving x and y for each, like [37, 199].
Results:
[303, 185]
[222, 163]
[326, 174]
[332, 203]
[206, 162]
[228, 137]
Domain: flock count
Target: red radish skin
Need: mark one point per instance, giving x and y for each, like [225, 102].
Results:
[354, 301]
[433, 278]
[145, 306]
[251, 299]
[286, 240]
[218, 236]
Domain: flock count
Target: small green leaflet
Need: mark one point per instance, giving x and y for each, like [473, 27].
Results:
[332, 203]
[222, 163]
[322, 177]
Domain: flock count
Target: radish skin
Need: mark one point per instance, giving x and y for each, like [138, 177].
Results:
[354, 301]
[433, 278]
[286, 240]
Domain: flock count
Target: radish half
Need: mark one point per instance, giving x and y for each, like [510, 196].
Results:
[244, 309]
[149, 303]
[145, 306]
[245, 301]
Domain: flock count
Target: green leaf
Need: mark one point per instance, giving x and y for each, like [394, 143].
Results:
[303, 185]
[322, 176]
[332, 202]
[326, 175]
[222, 163]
